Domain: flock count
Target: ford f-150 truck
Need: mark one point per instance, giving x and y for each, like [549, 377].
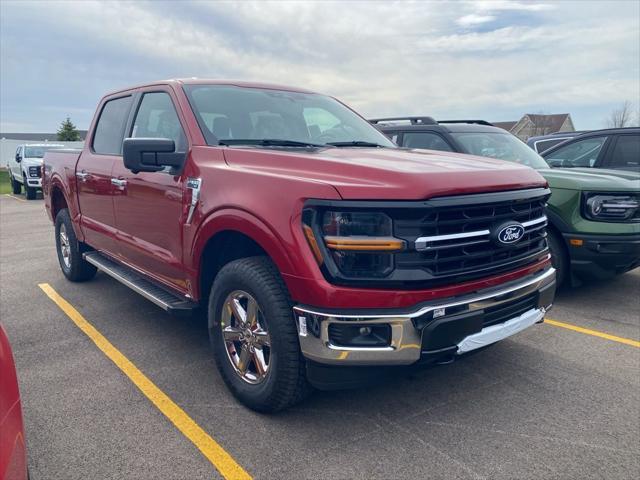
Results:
[319, 251]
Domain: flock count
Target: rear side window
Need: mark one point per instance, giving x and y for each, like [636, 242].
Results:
[428, 140]
[157, 118]
[626, 154]
[107, 139]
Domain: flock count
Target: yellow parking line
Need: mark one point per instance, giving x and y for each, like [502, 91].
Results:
[595, 333]
[221, 460]
[15, 198]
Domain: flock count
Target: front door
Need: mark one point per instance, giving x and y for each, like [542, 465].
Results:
[148, 206]
[93, 174]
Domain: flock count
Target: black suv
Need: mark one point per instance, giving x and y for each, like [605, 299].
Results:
[463, 136]
[614, 148]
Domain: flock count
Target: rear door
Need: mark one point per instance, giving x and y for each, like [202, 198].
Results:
[148, 206]
[93, 173]
[624, 153]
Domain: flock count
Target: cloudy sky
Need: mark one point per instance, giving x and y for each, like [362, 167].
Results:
[483, 59]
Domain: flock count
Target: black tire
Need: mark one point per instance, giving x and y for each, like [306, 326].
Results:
[559, 257]
[77, 269]
[285, 382]
[29, 192]
[16, 186]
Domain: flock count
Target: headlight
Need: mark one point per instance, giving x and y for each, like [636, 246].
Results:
[34, 171]
[607, 207]
[358, 244]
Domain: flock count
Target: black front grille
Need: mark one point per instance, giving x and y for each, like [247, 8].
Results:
[473, 256]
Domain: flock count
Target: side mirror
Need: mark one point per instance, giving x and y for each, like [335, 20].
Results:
[151, 154]
[18, 158]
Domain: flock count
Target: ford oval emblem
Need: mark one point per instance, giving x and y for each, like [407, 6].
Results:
[510, 233]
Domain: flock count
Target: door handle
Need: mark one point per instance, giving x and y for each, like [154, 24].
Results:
[118, 182]
[83, 176]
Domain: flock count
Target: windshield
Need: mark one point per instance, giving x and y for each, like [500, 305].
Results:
[502, 146]
[254, 116]
[37, 151]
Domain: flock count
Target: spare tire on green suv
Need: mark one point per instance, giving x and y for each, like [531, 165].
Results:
[594, 214]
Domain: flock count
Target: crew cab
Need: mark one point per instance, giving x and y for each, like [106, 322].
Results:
[25, 168]
[319, 251]
[594, 212]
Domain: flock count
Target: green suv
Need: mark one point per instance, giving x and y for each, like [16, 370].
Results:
[594, 214]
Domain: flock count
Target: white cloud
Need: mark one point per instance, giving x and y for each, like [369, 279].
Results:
[474, 19]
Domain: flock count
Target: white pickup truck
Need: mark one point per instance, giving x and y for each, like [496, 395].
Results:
[25, 169]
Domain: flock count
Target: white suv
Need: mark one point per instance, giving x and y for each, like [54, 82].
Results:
[26, 168]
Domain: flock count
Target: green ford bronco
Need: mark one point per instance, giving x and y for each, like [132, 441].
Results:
[593, 214]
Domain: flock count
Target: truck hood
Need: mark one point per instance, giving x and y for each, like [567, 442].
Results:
[592, 179]
[32, 162]
[389, 174]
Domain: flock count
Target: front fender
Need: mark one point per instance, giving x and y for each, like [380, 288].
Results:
[231, 219]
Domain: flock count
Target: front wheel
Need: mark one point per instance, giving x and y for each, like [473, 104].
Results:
[254, 338]
[16, 186]
[29, 192]
[70, 250]
[559, 257]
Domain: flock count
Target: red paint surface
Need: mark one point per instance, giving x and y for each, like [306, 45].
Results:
[260, 193]
[13, 456]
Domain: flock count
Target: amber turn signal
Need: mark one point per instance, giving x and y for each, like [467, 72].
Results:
[311, 238]
[373, 244]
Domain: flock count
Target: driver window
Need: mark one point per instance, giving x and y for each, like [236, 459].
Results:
[157, 118]
[583, 153]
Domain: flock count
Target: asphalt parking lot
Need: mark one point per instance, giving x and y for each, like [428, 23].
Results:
[548, 403]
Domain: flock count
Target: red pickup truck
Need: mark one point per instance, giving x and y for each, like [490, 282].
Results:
[320, 251]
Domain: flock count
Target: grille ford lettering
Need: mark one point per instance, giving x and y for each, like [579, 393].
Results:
[510, 234]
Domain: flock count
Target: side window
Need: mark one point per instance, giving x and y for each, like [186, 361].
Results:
[428, 140]
[107, 139]
[157, 118]
[582, 153]
[542, 145]
[626, 154]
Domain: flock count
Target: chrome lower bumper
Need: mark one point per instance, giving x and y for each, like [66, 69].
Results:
[409, 331]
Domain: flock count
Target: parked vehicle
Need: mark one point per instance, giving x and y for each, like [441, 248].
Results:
[317, 247]
[614, 148]
[25, 169]
[13, 456]
[545, 142]
[594, 216]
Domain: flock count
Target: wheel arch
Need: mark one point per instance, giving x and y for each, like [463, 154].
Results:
[229, 235]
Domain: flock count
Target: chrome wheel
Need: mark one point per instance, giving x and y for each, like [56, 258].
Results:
[246, 338]
[65, 246]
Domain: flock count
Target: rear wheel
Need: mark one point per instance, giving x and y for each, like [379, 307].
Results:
[70, 250]
[29, 192]
[16, 186]
[559, 257]
[254, 338]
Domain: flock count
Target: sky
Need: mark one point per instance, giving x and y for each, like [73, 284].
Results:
[493, 60]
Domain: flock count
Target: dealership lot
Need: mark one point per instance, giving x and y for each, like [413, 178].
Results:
[549, 403]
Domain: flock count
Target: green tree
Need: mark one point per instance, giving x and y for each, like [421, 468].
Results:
[68, 132]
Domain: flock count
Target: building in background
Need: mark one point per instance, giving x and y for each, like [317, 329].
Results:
[534, 124]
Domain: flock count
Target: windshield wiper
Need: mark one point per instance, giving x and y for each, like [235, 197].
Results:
[268, 142]
[356, 143]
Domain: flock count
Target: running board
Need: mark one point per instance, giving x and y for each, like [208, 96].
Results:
[150, 290]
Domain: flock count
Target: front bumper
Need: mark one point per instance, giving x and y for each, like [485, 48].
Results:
[34, 182]
[430, 331]
[602, 256]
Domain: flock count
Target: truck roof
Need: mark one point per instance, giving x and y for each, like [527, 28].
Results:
[213, 81]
